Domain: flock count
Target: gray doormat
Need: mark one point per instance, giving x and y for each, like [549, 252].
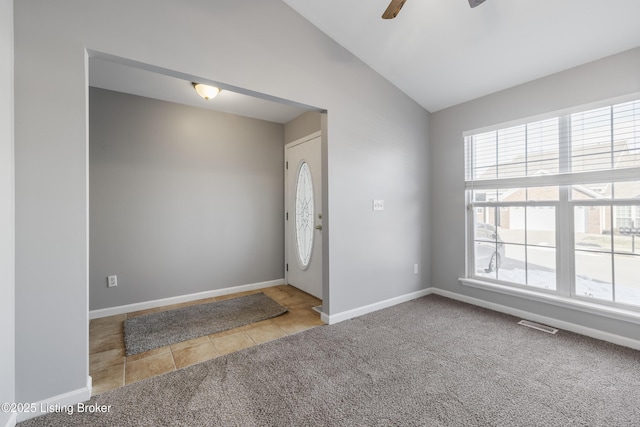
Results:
[155, 330]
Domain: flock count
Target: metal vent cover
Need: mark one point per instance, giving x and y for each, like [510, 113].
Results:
[538, 326]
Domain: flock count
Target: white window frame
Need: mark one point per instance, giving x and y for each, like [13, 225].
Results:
[565, 292]
[471, 270]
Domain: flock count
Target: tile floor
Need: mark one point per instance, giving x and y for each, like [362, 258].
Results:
[110, 368]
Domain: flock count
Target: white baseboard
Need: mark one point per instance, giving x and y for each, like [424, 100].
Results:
[11, 422]
[58, 402]
[111, 311]
[350, 314]
[560, 324]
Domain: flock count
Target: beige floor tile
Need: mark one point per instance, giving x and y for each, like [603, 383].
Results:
[148, 367]
[154, 352]
[293, 291]
[230, 343]
[118, 318]
[298, 323]
[102, 343]
[265, 332]
[294, 313]
[190, 343]
[229, 332]
[300, 300]
[188, 356]
[107, 379]
[106, 328]
[276, 294]
[106, 359]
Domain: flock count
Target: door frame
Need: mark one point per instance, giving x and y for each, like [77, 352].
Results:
[322, 197]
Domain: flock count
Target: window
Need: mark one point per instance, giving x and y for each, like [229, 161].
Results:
[554, 205]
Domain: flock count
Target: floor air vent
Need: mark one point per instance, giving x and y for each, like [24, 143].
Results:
[538, 326]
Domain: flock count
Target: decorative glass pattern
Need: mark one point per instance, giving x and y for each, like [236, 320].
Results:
[304, 214]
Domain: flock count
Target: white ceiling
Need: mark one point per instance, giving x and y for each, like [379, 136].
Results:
[111, 74]
[442, 52]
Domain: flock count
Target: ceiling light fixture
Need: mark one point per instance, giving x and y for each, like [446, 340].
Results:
[207, 92]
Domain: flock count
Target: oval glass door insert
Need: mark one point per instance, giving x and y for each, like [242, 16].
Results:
[304, 214]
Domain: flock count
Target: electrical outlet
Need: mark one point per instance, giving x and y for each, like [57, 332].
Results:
[415, 268]
[378, 205]
[112, 281]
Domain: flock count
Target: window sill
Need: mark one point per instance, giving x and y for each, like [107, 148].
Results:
[559, 301]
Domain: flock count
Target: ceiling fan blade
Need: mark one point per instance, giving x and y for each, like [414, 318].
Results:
[393, 9]
[474, 3]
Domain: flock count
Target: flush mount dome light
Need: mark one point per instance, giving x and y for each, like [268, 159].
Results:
[207, 92]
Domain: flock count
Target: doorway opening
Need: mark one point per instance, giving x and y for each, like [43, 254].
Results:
[163, 198]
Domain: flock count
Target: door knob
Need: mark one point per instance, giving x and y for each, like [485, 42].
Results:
[319, 227]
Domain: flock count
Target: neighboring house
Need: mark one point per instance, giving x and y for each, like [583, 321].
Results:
[588, 219]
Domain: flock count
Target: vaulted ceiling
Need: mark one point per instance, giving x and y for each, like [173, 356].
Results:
[442, 52]
[439, 52]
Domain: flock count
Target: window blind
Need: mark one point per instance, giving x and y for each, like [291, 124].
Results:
[601, 144]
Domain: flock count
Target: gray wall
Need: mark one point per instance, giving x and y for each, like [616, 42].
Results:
[609, 77]
[376, 149]
[303, 125]
[182, 199]
[7, 322]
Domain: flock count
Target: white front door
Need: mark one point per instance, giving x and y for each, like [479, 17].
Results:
[303, 205]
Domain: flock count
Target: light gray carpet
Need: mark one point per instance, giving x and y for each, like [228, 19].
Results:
[155, 330]
[428, 362]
